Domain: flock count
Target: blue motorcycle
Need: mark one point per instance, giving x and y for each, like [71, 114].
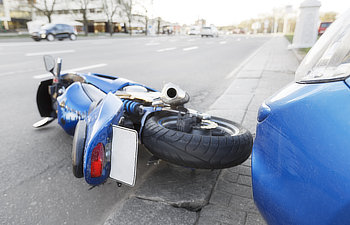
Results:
[109, 116]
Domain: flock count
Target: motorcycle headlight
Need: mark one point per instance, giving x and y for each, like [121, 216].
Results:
[329, 59]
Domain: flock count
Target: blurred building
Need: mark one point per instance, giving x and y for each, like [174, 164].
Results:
[200, 23]
[4, 14]
[15, 14]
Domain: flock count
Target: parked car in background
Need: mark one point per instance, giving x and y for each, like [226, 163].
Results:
[209, 32]
[323, 27]
[238, 31]
[195, 30]
[301, 153]
[51, 32]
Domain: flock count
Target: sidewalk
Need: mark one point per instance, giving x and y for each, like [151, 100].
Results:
[176, 195]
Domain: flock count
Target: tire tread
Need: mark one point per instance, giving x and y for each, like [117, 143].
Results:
[196, 151]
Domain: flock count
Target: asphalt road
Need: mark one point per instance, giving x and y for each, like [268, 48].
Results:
[37, 185]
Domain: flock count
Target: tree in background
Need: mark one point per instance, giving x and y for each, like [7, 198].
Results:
[127, 8]
[328, 16]
[110, 7]
[84, 11]
[45, 7]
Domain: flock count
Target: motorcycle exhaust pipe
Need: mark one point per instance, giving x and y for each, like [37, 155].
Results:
[173, 95]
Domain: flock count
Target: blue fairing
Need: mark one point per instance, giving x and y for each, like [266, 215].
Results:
[300, 159]
[99, 130]
[73, 105]
[108, 83]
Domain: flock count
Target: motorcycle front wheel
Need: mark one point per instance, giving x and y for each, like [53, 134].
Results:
[226, 145]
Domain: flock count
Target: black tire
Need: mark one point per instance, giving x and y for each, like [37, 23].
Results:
[229, 148]
[78, 149]
[50, 37]
[73, 37]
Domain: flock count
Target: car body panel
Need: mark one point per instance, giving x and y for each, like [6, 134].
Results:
[300, 159]
[323, 27]
[209, 31]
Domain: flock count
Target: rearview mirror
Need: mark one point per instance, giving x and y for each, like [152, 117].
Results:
[49, 63]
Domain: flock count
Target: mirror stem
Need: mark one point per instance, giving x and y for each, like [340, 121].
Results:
[59, 66]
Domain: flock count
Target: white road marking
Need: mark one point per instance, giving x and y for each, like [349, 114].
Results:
[191, 39]
[238, 68]
[50, 53]
[190, 48]
[238, 39]
[18, 72]
[166, 49]
[152, 43]
[7, 73]
[222, 42]
[71, 70]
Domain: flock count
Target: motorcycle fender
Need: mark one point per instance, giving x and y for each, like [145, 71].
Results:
[43, 100]
[100, 130]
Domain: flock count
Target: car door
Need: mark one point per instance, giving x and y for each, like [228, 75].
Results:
[60, 31]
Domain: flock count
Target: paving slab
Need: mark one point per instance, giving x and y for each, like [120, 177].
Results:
[235, 101]
[179, 186]
[216, 214]
[138, 211]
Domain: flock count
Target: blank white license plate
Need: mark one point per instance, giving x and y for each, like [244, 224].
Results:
[124, 155]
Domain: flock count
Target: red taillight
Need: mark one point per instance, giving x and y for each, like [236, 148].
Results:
[97, 158]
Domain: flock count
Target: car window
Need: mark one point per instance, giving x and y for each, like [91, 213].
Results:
[47, 26]
[330, 56]
[59, 26]
[325, 25]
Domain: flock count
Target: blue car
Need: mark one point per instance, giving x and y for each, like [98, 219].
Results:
[301, 153]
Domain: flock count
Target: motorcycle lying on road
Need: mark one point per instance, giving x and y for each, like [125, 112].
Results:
[109, 115]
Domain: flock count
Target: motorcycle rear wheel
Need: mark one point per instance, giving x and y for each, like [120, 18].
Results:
[226, 146]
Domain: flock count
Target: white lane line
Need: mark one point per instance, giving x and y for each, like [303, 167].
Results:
[166, 49]
[7, 73]
[222, 42]
[71, 70]
[50, 53]
[190, 48]
[152, 43]
[238, 68]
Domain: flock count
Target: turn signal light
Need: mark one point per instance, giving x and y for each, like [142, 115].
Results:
[97, 158]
